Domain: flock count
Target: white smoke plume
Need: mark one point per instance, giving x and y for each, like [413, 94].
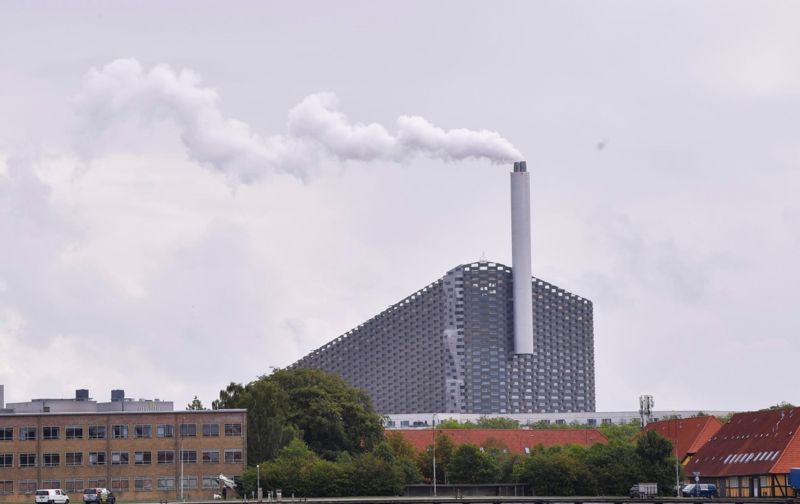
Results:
[124, 89]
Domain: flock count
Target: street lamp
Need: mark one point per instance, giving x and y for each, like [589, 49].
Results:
[434, 454]
[258, 481]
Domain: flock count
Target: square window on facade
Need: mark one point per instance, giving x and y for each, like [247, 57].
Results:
[165, 431]
[97, 432]
[233, 429]
[142, 458]
[50, 432]
[119, 458]
[73, 458]
[97, 458]
[73, 432]
[211, 456]
[143, 484]
[51, 459]
[27, 460]
[143, 431]
[119, 432]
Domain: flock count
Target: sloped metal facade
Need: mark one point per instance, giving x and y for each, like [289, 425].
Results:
[449, 347]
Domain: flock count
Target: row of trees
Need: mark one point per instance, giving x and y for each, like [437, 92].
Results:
[571, 470]
[313, 435]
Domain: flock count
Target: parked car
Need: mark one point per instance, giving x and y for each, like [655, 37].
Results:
[51, 496]
[98, 495]
[699, 490]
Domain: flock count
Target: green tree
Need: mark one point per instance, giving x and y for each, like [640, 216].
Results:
[400, 446]
[372, 475]
[624, 433]
[781, 405]
[289, 471]
[320, 408]
[657, 460]
[615, 467]
[471, 465]
[444, 453]
[549, 472]
[195, 405]
[497, 423]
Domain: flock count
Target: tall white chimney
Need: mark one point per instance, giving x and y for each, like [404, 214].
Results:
[521, 258]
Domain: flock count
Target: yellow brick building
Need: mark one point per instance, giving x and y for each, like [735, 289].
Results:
[139, 455]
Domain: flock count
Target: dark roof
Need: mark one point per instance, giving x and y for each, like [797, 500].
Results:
[687, 434]
[759, 442]
[516, 440]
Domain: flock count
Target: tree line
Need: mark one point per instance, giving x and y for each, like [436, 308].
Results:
[313, 435]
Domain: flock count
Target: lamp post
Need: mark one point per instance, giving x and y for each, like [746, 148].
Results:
[258, 481]
[434, 454]
[180, 451]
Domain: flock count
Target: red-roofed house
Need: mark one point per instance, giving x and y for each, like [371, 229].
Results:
[516, 440]
[750, 456]
[687, 434]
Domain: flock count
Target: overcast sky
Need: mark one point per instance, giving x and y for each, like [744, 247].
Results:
[151, 239]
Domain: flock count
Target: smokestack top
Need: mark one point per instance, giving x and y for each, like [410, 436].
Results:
[520, 166]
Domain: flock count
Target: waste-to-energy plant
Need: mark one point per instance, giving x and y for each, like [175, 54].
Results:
[485, 338]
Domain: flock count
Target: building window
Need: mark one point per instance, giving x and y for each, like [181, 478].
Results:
[119, 432]
[233, 429]
[143, 484]
[143, 431]
[120, 484]
[73, 432]
[210, 482]
[27, 434]
[96, 482]
[28, 486]
[51, 459]
[166, 457]
[27, 460]
[6, 433]
[97, 458]
[142, 458]
[119, 458]
[190, 482]
[165, 430]
[97, 432]
[73, 486]
[233, 456]
[51, 484]
[49, 432]
[188, 456]
[188, 430]
[166, 483]
[6, 459]
[211, 430]
[73, 458]
[211, 456]
[6, 487]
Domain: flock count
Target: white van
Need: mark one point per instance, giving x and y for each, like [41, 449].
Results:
[52, 496]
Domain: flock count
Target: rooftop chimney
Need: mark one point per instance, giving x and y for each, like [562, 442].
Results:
[117, 395]
[521, 258]
[82, 394]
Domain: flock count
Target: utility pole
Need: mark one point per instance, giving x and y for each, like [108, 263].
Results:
[434, 454]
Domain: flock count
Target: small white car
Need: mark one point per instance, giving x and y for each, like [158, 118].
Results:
[52, 496]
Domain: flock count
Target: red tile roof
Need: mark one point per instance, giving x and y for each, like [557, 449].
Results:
[515, 439]
[687, 434]
[759, 442]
